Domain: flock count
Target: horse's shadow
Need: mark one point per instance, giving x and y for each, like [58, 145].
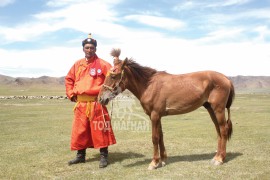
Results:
[201, 157]
[116, 157]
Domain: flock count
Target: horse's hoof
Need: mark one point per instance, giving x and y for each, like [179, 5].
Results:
[153, 166]
[150, 167]
[163, 163]
[216, 162]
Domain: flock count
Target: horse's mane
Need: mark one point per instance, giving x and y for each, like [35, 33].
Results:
[141, 73]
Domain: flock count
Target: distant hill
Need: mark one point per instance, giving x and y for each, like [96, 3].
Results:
[241, 83]
[251, 82]
[23, 81]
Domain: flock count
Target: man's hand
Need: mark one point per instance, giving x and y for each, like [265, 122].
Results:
[73, 98]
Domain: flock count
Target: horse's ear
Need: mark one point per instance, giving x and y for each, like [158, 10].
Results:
[124, 63]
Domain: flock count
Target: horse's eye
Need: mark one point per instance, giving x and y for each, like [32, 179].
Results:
[112, 77]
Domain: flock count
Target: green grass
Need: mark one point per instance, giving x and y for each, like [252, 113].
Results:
[33, 90]
[35, 137]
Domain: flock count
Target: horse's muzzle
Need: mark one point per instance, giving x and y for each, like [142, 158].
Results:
[103, 101]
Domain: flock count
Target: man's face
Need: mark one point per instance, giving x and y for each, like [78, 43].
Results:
[89, 50]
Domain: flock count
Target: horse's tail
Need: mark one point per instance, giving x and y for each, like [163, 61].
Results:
[228, 105]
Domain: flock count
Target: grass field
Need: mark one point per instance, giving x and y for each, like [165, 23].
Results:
[35, 137]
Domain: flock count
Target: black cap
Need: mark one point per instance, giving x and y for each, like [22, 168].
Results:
[89, 40]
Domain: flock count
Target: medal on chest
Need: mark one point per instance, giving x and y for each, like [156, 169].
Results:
[95, 69]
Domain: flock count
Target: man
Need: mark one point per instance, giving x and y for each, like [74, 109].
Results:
[91, 125]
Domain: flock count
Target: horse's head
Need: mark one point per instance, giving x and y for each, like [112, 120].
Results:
[114, 82]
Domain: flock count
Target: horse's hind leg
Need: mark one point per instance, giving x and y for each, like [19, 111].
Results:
[217, 114]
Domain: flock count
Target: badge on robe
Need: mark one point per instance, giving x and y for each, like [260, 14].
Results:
[95, 69]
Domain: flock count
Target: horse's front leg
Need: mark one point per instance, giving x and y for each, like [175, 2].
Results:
[155, 119]
[163, 154]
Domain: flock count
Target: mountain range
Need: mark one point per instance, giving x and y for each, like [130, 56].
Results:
[241, 83]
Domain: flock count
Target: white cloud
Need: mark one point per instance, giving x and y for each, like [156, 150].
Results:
[222, 35]
[53, 61]
[257, 13]
[228, 3]
[198, 5]
[244, 15]
[232, 55]
[27, 32]
[77, 17]
[171, 54]
[236, 2]
[187, 5]
[181, 56]
[6, 2]
[263, 31]
[155, 21]
[59, 3]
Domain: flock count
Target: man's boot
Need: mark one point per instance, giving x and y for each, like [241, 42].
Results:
[80, 158]
[103, 157]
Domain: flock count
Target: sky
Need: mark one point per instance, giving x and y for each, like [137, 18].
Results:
[43, 37]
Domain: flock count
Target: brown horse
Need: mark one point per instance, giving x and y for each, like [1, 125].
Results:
[162, 94]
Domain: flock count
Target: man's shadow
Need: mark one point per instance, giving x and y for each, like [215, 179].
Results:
[116, 157]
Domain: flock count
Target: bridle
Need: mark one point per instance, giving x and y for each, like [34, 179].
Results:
[112, 89]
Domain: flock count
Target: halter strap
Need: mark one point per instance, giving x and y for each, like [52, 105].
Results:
[118, 83]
